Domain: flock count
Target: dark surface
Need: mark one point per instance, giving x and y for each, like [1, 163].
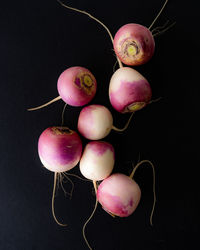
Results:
[38, 40]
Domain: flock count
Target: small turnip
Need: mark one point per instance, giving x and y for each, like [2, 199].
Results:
[60, 150]
[96, 121]
[119, 195]
[76, 87]
[97, 161]
[129, 91]
[134, 44]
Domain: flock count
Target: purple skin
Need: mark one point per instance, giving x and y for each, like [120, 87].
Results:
[97, 161]
[95, 122]
[85, 121]
[129, 93]
[59, 148]
[119, 195]
[134, 44]
[100, 147]
[77, 86]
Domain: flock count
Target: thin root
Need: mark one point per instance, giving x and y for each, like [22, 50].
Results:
[53, 199]
[62, 176]
[92, 214]
[160, 32]
[126, 126]
[154, 192]
[74, 175]
[159, 27]
[63, 112]
[114, 66]
[94, 18]
[46, 104]
[155, 100]
[158, 14]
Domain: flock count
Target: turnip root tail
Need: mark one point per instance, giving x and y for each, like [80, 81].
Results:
[52, 202]
[63, 112]
[46, 104]
[61, 177]
[154, 192]
[159, 13]
[74, 175]
[155, 100]
[95, 207]
[94, 18]
[160, 30]
[125, 127]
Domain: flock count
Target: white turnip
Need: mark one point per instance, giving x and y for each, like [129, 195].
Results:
[97, 161]
[96, 121]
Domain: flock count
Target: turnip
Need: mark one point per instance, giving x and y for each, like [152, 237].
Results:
[97, 161]
[59, 150]
[96, 121]
[76, 87]
[133, 43]
[96, 164]
[129, 91]
[120, 195]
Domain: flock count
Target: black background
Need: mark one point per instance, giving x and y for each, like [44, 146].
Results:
[40, 39]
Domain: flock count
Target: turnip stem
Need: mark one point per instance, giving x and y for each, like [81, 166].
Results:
[46, 104]
[84, 226]
[94, 18]
[53, 199]
[158, 14]
[125, 127]
[154, 192]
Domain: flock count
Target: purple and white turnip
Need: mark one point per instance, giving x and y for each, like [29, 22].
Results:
[134, 44]
[97, 161]
[96, 121]
[129, 91]
[59, 150]
[119, 195]
[76, 87]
